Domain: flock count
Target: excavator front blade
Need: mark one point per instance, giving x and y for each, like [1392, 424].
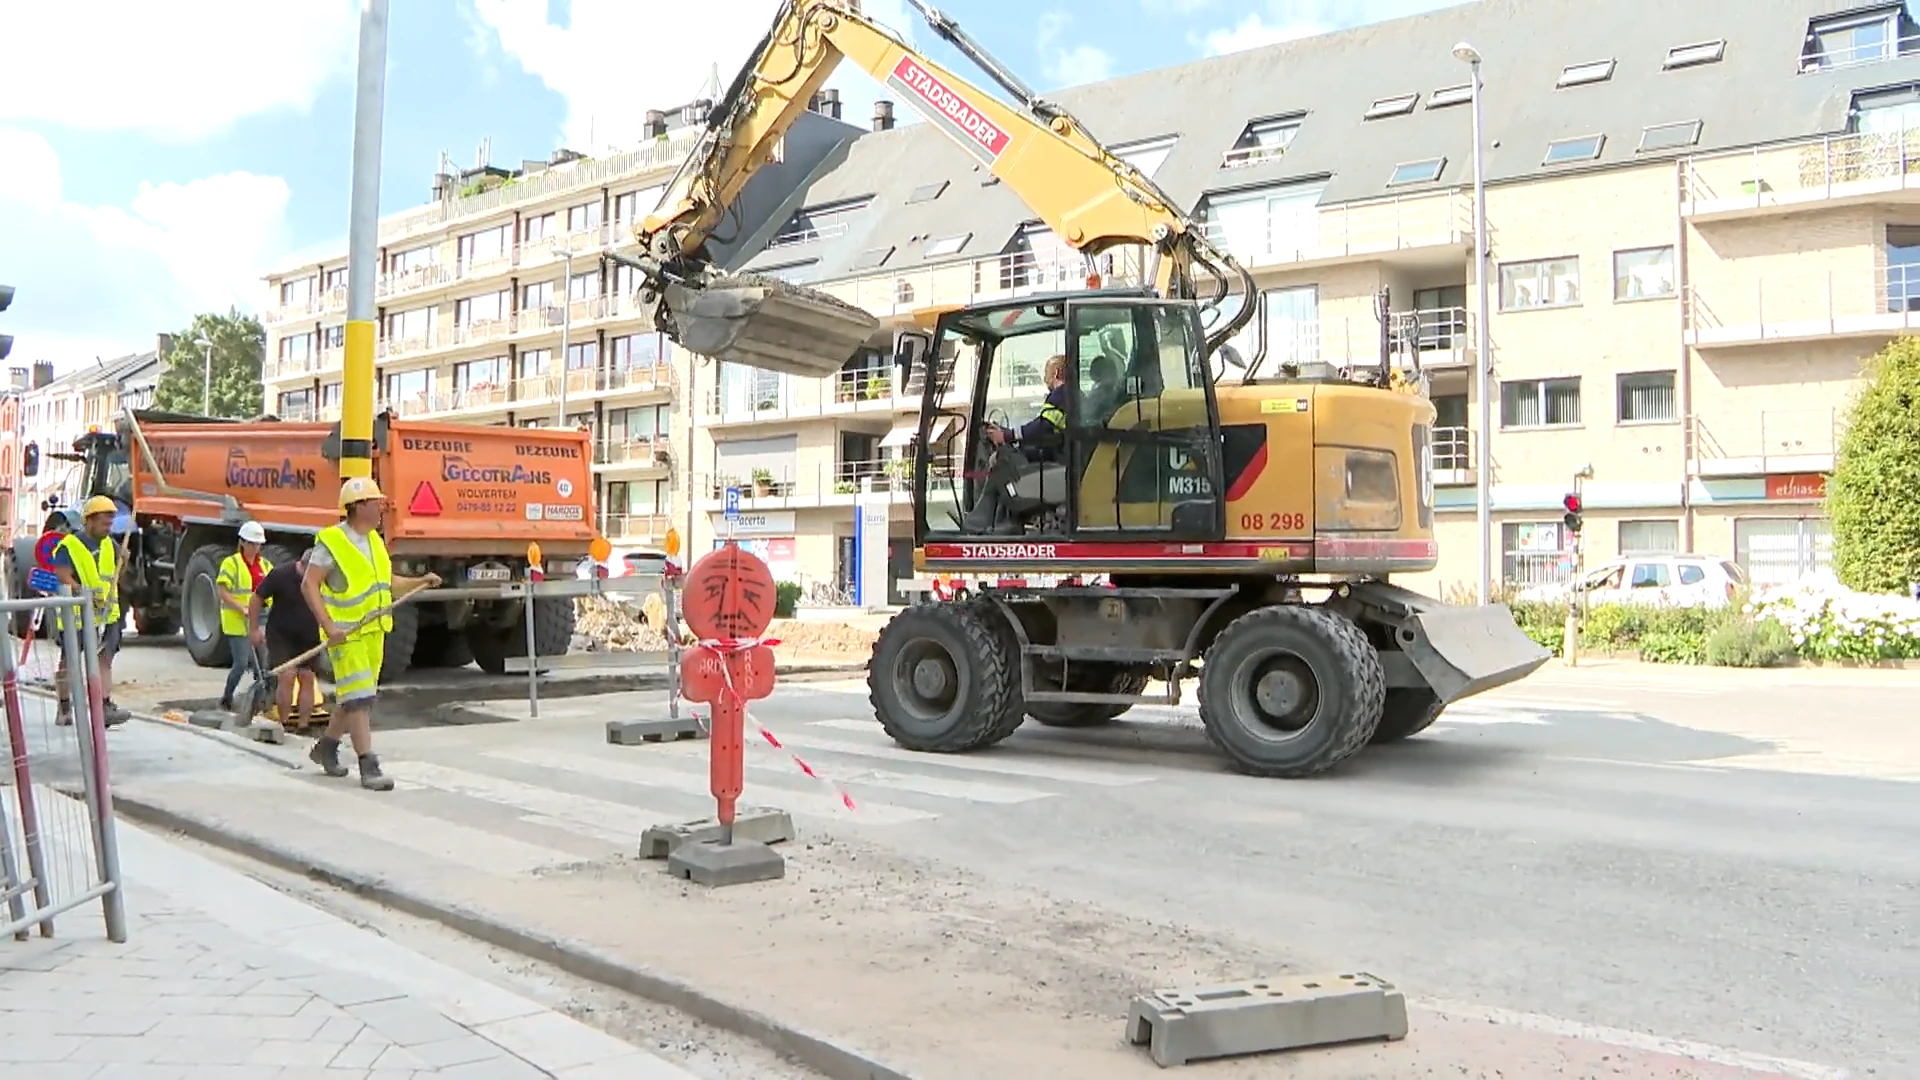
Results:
[769, 324]
[1460, 651]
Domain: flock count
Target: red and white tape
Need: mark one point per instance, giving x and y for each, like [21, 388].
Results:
[729, 645]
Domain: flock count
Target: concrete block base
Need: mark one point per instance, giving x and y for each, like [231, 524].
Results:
[266, 731]
[1264, 1015]
[759, 824]
[714, 865]
[216, 719]
[634, 732]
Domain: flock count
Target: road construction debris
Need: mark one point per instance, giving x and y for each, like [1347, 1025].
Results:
[606, 624]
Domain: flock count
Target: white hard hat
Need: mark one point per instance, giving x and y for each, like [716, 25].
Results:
[252, 533]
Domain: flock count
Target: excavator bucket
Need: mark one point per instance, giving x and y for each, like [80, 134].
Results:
[769, 324]
[1461, 651]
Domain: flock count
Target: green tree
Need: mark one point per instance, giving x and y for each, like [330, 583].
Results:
[1874, 495]
[239, 345]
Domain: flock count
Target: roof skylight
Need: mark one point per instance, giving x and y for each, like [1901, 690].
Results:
[1581, 74]
[1393, 106]
[1417, 172]
[1704, 52]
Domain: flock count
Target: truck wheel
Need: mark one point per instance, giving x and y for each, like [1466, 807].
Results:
[200, 608]
[396, 657]
[1089, 678]
[491, 647]
[552, 626]
[155, 622]
[941, 680]
[1291, 691]
[1408, 712]
[442, 648]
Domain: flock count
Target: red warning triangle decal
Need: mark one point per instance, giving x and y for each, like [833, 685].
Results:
[426, 502]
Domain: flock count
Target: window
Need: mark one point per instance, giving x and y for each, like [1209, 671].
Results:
[330, 396]
[1538, 403]
[926, 193]
[1649, 575]
[1844, 40]
[295, 405]
[485, 308]
[946, 245]
[1540, 284]
[533, 363]
[1646, 397]
[296, 292]
[1887, 111]
[1279, 221]
[1903, 268]
[584, 286]
[1581, 74]
[818, 222]
[872, 258]
[1262, 140]
[1417, 172]
[1668, 136]
[1393, 106]
[1643, 274]
[334, 337]
[481, 374]
[536, 228]
[1531, 553]
[1705, 52]
[1690, 573]
[1450, 95]
[583, 356]
[412, 389]
[1583, 148]
[633, 351]
[1147, 155]
[405, 262]
[485, 246]
[415, 325]
[296, 347]
[335, 279]
[642, 422]
[1649, 537]
[536, 296]
[630, 208]
[583, 217]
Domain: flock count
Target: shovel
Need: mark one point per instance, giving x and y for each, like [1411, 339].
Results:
[260, 695]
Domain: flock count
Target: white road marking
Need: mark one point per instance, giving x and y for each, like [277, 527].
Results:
[632, 770]
[429, 835]
[1547, 704]
[1634, 1040]
[997, 763]
[619, 823]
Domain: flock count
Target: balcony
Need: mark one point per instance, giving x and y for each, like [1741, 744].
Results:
[1773, 441]
[1431, 337]
[481, 397]
[996, 277]
[1425, 228]
[481, 331]
[388, 348]
[641, 452]
[1808, 307]
[289, 367]
[415, 280]
[802, 487]
[639, 379]
[1834, 170]
[299, 309]
[1453, 461]
[649, 529]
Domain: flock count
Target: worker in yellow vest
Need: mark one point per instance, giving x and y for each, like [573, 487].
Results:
[240, 574]
[349, 585]
[85, 561]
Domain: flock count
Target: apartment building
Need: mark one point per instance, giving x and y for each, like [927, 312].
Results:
[497, 305]
[54, 411]
[1700, 224]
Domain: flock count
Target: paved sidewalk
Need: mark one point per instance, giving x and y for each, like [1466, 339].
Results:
[224, 978]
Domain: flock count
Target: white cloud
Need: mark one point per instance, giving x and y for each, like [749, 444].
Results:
[616, 59]
[1071, 65]
[181, 71]
[1176, 7]
[1274, 21]
[102, 280]
[1254, 31]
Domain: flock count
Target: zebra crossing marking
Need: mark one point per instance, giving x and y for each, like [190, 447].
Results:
[999, 762]
[427, 834]
[600, 819]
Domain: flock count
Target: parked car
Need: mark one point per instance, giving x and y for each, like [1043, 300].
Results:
[1672, 580]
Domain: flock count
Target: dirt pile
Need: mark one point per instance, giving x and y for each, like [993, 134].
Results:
[810, 637]
[604, 625]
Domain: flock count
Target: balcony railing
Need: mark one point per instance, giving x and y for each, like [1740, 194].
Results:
[637, 451]
[298, 309]
[481, 395]
[288, 367]
[824, 484]
[406, 346]
[1241, 157]
[639, 378]
[1768, 441]
[1347, 230]
[865, 385]
[1801, 307]
[1452, 453]
[1872, 52]
[635, 528]
[1858, 166]
[807, 236]
[996, 277]
[474, 333]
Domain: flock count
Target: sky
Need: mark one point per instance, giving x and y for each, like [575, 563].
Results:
[156, 160]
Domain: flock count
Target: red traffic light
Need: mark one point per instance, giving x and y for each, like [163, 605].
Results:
[1572, 503]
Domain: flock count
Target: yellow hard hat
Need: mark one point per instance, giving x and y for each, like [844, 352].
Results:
[358, 489]
[99, 504]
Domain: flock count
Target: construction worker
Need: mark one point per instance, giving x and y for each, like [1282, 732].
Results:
[1037, 443]
[85, 562]
[240, 574]
[286, 634]
[349, 585]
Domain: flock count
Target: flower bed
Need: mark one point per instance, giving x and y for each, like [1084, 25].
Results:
[1828, 621]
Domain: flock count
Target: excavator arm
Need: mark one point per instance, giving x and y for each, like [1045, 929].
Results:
[1091, 198]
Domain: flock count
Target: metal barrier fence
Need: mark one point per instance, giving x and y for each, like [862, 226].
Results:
[57, 853]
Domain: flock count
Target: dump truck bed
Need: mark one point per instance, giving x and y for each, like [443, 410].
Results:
[453, 489]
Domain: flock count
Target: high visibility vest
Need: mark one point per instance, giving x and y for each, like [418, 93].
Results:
[96, 579]
[235, 578]
[369, 583]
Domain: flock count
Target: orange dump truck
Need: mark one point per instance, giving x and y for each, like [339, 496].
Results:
[464, 501]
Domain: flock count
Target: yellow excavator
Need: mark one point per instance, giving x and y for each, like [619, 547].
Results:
[1212, 520]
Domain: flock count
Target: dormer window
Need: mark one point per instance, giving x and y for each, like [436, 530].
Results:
[1703, 52]
[1583, 148]
[1147, 155]
[1450, 95]
[1417, 172]
[818, 222]
[1393, 106]
[1582, 74]
[926, 192]
[946, 245]
[1859, 37]
[1262, 140]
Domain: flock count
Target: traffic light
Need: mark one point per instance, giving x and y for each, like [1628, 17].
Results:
[6, 340]
[1572, 519]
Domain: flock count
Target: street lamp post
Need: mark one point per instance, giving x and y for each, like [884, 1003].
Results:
[206, 393]
[1483, 352]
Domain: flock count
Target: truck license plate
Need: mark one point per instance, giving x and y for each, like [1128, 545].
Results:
[489, 573]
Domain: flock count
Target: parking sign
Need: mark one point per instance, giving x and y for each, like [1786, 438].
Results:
[733, 504]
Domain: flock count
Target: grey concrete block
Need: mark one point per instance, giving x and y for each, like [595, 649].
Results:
[739, 863]
[266, 731]
[633, 732]
[216, 719]
[762, 825]
[1263, 1015]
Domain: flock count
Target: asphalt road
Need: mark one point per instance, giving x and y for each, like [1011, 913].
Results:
[1729, 859]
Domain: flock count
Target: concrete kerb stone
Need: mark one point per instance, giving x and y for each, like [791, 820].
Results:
[826, 1056]
[653, 730]
[224, 737]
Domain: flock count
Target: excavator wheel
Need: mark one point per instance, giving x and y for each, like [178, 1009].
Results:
[942, 679]
[1291, 691]
[996, 619]
[1409, 711]
[1091, 678]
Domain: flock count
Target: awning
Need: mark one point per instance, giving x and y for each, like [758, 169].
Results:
[904, 431]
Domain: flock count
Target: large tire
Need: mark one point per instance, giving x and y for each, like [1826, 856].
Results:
[1094, 679]
[552, 626]
[552, 635]
[1015, 713]
[442, 648]
[1409, 711]
[941, 680]
[200, 607]
[155, 623]
[396, 657]
[1291, 691]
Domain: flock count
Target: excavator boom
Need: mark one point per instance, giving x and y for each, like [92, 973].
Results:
[1091, 199]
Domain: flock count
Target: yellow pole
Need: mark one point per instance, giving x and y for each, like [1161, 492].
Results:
[363, 245]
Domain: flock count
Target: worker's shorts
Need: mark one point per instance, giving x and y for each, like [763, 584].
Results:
[109, 640]
[282, 650]
[356, 668]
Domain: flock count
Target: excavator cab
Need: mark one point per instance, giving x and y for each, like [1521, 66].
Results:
[1131, 451]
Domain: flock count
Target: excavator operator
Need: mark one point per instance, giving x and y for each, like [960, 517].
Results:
[1022, 455]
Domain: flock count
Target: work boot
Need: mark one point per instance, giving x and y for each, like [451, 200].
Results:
[63, 716]
[326, 754]
[371, 777]
[114, 714]
[226, 704]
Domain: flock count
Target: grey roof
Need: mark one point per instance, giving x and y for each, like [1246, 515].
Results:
[88, 376]
[1754, 95]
